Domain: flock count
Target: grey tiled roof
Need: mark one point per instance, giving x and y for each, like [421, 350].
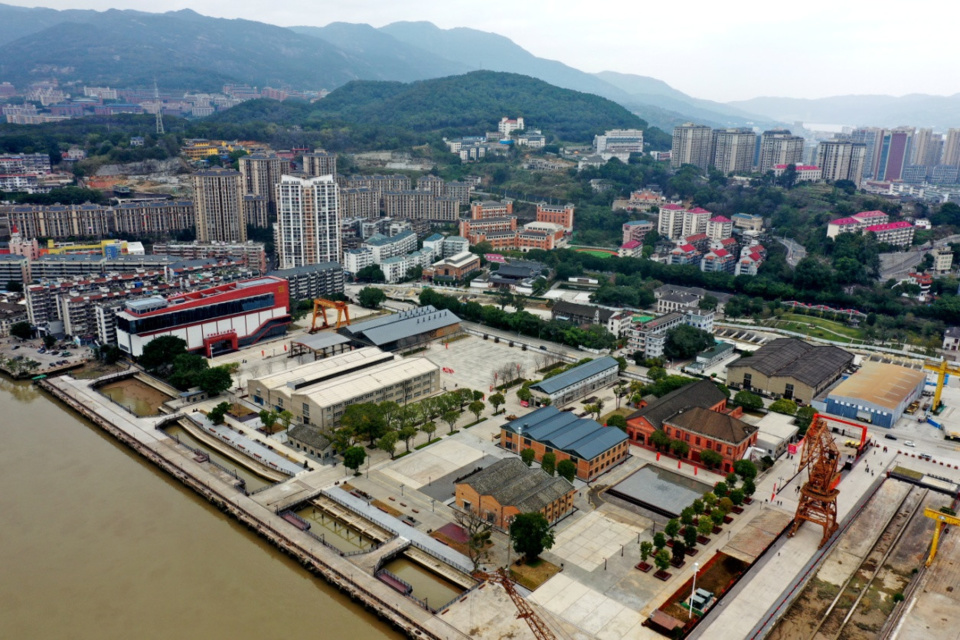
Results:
[712, 424]
[566, 432]
[793, 358]
[309, 436]
[575, 375]
[702, 394]
[511, 482]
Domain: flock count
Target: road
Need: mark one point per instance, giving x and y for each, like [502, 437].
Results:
[795, 251]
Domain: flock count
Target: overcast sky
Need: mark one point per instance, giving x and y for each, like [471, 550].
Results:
[716, 50]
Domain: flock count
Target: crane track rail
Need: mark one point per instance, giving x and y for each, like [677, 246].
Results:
[840, 612]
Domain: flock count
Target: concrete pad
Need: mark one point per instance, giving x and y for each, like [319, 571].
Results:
[589, 540]
[433, 463]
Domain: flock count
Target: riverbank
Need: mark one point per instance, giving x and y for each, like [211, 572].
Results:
[141, 436]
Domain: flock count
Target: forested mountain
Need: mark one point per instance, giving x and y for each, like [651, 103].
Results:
[457, 105]
[180, 49]
[393, 59]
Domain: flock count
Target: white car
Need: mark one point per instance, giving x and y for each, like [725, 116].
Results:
[909, 443]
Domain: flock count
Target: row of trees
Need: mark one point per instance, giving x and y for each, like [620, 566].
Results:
[167, 357]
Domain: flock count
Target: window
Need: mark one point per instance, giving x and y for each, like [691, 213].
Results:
[526, 442]
[696, 441]
[788, 392]
[747, 380]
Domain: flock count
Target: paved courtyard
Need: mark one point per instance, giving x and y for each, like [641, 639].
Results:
[432, 463]
[474, 361]
[588, 541]
[589, 609]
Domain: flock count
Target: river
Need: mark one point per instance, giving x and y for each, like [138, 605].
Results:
[97, 543]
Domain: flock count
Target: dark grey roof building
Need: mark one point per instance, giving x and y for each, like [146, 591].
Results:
[405, 329]
[703, 394]
[579, 381]
[310, 441]
[790, 368]
[511, 482]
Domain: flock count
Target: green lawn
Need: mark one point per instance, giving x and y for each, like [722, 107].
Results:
[596, 253]
[817, 327]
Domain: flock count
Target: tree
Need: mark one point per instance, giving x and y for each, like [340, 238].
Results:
[710, 458]
[747, 400]
[388, 442]
[736, 497]
[504, 298]
[657, 373]
[708, 303]
[353, 458]
[679, 548]
[286, 418]
[684, 342]
[717, 516]
[528, 456]
[708, 501]
[268, 419]
[697, 506]
[804, 418]
[784, 406]
[690, 536]
[672, 528]
[186, 370]
[49, 341]
[720, 489]
[496, 400]
[549, 463]
[22, 330]
[451, 417]
[725, 504]
[646, 548]
[531, 535]
[214, 381]
[566, 469]
[618, 421]
[745, 469]
[428, 428]
[159, 354]
[680, 448]
[662, 559]
[476, 408]
[364, 420]
[659, 540]
[705, 526]
[731, 480]
[407, 433]
[687, 515]
[371, 297]
[109, 353]
[371, 273]
[478, 535]
[524, 394]
[659, 439]
[217, 414]
[749, 488]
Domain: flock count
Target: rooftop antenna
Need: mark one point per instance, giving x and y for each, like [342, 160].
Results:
[156, 96]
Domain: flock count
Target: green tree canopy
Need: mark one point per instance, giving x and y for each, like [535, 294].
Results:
[354, 457]
[22, 330]
[159, 354]
[214, 381]
[549, 463]
[364, 420]
[531, 535]
[784, 406]
[528, 456]
[371, 297]
[748, 400]
[217, 414]
[684, 342]
[566, 469]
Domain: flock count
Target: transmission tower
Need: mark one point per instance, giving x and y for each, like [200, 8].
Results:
[156, 97]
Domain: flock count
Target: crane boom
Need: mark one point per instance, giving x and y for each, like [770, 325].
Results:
[525, 611]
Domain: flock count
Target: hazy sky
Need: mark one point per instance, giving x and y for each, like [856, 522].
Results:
[716, 50]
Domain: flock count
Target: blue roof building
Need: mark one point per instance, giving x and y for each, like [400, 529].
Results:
[577, 382]
[591, 447]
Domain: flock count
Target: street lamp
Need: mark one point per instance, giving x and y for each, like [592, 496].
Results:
[696, 567]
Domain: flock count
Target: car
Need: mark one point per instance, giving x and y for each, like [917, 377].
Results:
[925, 456]
[909, 443]
[15, 347]
[890, 437]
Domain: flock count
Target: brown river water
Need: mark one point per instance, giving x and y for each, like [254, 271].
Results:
[97, 543]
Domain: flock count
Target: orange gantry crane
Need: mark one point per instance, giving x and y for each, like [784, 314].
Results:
[818, 496]
[320, 306]
[526, 612]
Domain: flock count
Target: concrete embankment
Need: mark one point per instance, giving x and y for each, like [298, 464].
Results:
[348, 577]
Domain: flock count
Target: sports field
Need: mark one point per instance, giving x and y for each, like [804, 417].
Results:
[599, 253]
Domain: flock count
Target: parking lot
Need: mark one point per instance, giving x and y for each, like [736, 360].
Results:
[22, 352]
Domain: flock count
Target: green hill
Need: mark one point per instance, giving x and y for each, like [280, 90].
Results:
[457, 105]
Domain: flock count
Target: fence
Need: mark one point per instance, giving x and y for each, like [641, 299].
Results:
[393, 576]
[434, 554]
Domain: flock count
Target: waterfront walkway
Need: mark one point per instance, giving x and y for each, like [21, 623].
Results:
[245, 445]
[141, 434]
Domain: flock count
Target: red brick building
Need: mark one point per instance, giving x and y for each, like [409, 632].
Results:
[508, 488]
[556, 214]
[698, 415]
[491, 209]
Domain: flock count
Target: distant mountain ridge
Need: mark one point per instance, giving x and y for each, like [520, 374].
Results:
[921, 110]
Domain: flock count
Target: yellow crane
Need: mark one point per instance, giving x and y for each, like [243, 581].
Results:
[941, 519]
[941, 370]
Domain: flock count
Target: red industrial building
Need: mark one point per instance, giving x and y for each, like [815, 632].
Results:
[211, 321]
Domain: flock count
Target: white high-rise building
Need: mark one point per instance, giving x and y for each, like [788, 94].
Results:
[926, 148]
[733, 150]
[308, 221]
[951, 148]
[841, 160]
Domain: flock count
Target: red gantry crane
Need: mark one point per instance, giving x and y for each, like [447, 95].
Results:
[818, 496]
[526, 612]
[320, 306]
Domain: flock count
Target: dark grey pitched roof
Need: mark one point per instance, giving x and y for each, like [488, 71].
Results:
[562, 307]
[511, 482]
[793, 358]
[712, 424]
[308, 435]
[702, 394]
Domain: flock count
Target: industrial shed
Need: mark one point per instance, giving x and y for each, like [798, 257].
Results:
[878, 393]
[405, 329]
[789, 368]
